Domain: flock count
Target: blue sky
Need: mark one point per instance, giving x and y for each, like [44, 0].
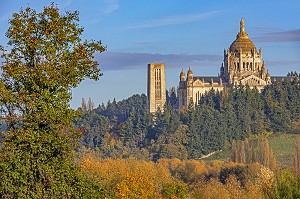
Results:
[179, 33]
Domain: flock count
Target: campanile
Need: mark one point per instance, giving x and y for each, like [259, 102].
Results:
[156, 87]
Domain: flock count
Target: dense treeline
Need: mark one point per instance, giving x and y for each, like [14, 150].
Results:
[125, 129]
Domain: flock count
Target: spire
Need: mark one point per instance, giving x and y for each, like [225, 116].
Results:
[242, 33]
[182, 75]
[190, 74]
[190, 71]
[242, 25]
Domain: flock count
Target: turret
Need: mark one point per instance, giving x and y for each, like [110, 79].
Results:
[222, 70]
[268, 78]
[182, 75]
[260, 52]
[190, 74]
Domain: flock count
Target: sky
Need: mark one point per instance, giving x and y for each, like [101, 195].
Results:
[178, 33]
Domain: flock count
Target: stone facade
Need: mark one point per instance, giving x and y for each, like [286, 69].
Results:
[242, 64]
[156, 87]
[192, 88]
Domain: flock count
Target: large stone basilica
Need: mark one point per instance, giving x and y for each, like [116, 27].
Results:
[242, 64]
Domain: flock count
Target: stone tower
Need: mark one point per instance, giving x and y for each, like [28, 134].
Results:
[156, 91]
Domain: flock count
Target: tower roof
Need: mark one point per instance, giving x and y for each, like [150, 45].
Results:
[242, 41]
[182, 73]
[190, 71]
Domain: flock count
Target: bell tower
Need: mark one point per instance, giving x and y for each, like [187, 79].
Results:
[156, 87]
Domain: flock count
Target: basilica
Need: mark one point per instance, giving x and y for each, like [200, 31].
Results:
[242, 65]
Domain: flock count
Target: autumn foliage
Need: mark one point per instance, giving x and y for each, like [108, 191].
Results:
[174, 178]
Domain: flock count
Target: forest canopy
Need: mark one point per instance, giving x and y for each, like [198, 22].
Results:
[126, 129]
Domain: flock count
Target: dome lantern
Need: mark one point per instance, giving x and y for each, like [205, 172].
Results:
[242, 42]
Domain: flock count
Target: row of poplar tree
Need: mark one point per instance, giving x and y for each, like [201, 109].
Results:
[125, 128]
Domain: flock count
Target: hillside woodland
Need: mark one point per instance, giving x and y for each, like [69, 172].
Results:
[125, 129]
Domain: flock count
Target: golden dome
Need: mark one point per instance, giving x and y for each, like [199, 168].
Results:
[242, 41]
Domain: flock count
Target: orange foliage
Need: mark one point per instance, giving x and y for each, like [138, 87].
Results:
[115, 173]
[169, 178]
[185, 170]
[231, 190]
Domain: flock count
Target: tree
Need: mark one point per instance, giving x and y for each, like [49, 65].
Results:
[45, 60]
[251, 152]
[93, 127]
[172, 97]
[296, 156]
[135, 186]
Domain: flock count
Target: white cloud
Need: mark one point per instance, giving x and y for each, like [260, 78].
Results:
[110, 6]
[176, 19]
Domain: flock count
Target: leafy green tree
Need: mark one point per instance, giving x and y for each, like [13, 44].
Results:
[171, 97]
[177, 189]
[45, 59]
[287, 185]
[277, 110]
[229, 116]
[175, 144]
[93, 127]
[167, 132]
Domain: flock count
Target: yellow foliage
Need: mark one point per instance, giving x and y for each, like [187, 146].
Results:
[110, 173]
[266, 177]
[135, 186]
[131, 178]
[231, 190]
[187, 170]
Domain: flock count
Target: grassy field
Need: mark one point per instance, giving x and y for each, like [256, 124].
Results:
[283, 146]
